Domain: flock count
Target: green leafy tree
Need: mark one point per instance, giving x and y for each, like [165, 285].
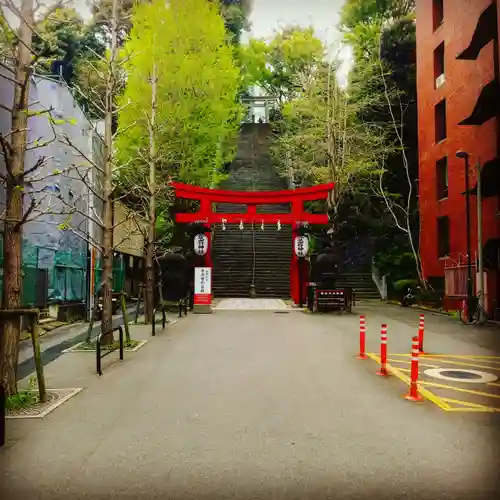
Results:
[321, 139]
[356, 12]
[276, 65]
[63, 36]
[383, 83]
[235, 14]
[179, 112]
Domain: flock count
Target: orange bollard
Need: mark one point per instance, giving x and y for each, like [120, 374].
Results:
[413, 394]
[362, 338]
[421, 334]
[383, 352]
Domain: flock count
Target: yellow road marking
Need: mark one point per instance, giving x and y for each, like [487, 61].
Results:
[476, 410]
[424, 392]
[460, 389]
[447, 361]
[408, 362]
[440, 402]
[493, 359]
[470, 405]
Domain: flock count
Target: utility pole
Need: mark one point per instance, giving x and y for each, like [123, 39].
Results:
[464, 155]
[480, 263]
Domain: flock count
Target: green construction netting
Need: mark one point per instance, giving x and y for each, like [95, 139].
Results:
[66, 274]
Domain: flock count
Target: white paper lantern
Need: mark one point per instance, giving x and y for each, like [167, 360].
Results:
[200, 244]
[301, 246]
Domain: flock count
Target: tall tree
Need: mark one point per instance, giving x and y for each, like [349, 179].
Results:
[275, 65]
[179, 112]
[62, 35]
[382, 35]
[236, 14]
[14, 144]
[321, 138]
[110, 76]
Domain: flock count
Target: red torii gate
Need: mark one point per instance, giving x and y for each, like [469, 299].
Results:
[297, 216]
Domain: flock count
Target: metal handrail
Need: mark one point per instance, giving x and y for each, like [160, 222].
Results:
[99, 356]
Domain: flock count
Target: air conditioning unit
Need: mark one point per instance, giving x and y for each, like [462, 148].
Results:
[440, 80]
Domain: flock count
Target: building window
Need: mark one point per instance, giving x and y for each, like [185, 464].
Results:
[437, 13]
[442, 178]
[439, 66]
[443, 236]
[440, 120]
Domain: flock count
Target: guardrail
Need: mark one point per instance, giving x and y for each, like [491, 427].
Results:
[98, 349]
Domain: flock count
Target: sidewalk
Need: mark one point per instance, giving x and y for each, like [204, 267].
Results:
[251, 405]
[53, 344]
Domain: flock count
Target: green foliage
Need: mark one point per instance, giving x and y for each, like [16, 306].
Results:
[355, 12]
[23, 398]
[434, 297]
[198, 113]
[276, 65]
[403, 284]
[322, 140]
[395, 263]
[235, 14]
[91, 346]
[383, 84]
[63, 36]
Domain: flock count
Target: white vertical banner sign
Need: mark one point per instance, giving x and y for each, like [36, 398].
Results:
[202, 286]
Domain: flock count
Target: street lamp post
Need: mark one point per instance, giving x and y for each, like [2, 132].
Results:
[465, 156]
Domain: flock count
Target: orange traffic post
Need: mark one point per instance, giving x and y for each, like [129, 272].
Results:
[421, 334]
[383, 352]
[362, 338]
[413, 394]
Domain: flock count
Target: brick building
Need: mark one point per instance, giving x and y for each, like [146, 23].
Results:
[458, 109]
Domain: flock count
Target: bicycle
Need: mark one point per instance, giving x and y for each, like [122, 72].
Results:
[477, 312]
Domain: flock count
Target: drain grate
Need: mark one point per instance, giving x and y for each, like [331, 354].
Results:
[281, 312]
[459, 374]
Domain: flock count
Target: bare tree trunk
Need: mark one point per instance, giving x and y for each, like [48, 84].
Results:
[150, 247]
[107, 267]
[14, 153]
[406, 224]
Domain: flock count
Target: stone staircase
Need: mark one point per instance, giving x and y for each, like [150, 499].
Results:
[362, 282]
[252, 255]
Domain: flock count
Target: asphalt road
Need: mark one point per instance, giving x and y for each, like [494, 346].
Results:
[254, 405]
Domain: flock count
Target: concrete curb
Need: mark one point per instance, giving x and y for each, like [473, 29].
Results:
[73, 349]
[420, 308]
[52, 407]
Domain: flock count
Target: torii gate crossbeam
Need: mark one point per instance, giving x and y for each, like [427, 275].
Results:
[252, 199]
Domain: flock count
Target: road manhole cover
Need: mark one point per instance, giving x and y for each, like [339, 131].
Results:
[461, 375]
